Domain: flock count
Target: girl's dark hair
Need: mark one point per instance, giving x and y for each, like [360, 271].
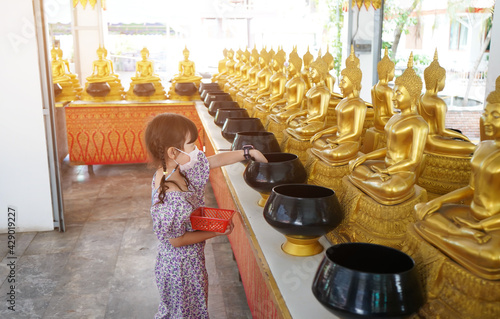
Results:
[164, 131]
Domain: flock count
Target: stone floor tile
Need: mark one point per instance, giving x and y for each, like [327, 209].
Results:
[26, 309]
[101, 235]
[72, 306]
[54, 242]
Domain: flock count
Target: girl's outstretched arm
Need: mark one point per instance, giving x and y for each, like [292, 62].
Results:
[232, 157]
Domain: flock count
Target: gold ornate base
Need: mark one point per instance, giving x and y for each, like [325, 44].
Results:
[452, 291]
[366, 220]
[263, 199]
[289, 144]
[442, 174]
[302, 246]
[277, 129]
[322, 174]
[373, 140]
[69, 92]
[174, 96]
[258, 112]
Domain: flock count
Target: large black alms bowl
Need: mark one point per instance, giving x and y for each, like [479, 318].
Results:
[361, 280]
[223, 114]
[234, 125]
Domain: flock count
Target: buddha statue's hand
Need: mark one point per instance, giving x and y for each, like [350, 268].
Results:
[464, 222]
[423, 210]
[315, 137]
[291, 118]
[356, 162]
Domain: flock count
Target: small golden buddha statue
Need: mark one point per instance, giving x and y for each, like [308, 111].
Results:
[470, 234]
[251, 82]
[262, 85]
[221, 67]
[291, 103]
[102, 80]
[307, 58]
[187, 71]
[229, 71]
[276, 89]
[243, 74]
[304, 124]
[145, 80]
[382, 105]
[237, 71]
[74, 78]
[330, 80]
[391, 181]
[433, 109]
[345, 143]
[62, 79]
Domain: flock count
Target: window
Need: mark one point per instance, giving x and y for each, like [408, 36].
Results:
[458, 36]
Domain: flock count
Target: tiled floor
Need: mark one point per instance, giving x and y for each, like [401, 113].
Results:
[102, 266]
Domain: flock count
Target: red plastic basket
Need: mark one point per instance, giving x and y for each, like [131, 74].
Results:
[211, 219]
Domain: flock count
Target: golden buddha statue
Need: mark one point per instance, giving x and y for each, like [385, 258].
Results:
[74, 78]
[382, 105]
[221, 67]
[276, 89]
[307, 58]
[237, 71]
[448, 152]
[304, 124]
[253, 92]
[251, 81]
[291, 103]
[103, 84]
[243, 74]
[345, 143]
[391, 181]
[187, 71]
[145, 85]
[229, 71]
[330, 79]
[433, 109]
[456, 238]
[60, 78]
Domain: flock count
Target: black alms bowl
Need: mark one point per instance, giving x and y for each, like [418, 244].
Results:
[223, 114]
[361, 280]
[215, 105]
[234, 125]
[281, 168]
[303, 210]
[263, 141]
[208, 86]
[216, 96]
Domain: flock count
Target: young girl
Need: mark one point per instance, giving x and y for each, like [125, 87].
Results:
[178, 189]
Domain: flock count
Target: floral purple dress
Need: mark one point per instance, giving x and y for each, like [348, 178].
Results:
[180, 272]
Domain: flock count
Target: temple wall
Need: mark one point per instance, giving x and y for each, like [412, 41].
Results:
[24, 168]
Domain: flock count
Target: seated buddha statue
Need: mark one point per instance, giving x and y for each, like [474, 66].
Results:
[277, 83]
[221, 67]
[391, 181]
[237, 81]
[295, 89]
[187, 71]
[67, 92]
[251, 81]
[221, 79]
[307, 58]
[340, 143]
[102, 76]
[305, 123]
[237, 70]
[102, 69]
[262, 84]
[432, 108]
[382, 105]
[470, 234]
[145, 79]
[74, 77]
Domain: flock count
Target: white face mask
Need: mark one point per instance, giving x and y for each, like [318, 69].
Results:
[193, 159]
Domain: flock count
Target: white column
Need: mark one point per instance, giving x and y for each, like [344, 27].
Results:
[494, 62]
[88, 35]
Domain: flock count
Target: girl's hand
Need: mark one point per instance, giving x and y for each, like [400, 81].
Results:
[258, 156]
[229, 229]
